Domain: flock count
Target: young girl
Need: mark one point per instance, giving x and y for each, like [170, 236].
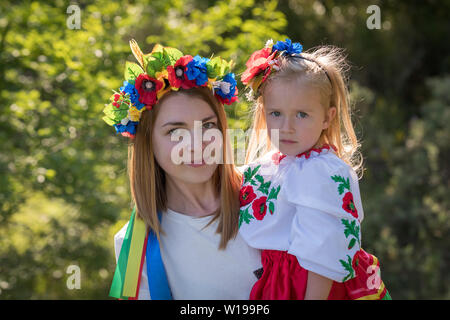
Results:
[300, 201]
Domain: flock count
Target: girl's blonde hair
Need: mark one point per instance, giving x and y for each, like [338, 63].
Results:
[324, 68]
[148, 182]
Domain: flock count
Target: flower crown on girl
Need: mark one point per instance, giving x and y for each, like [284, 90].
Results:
[262, 62]
[160, 71]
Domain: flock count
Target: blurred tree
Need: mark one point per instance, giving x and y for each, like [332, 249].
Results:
[53, 83]
[416, 217]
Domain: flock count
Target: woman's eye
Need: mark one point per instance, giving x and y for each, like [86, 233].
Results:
[171, 131]
[209, 125]
[302, 115]
[275, 113]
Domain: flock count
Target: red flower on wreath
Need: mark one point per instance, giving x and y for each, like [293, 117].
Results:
[259, 208]
[348, 204]
[258, 63]
[246, 195]
[147, 87]
[177, 74]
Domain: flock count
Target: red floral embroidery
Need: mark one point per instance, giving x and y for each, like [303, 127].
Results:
[246, 195]
[348, 204]
[258, 63]
[277, 157]
[147, 88]
[259, 208]
[307, 154]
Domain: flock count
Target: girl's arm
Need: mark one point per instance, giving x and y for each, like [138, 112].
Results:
[317, 287]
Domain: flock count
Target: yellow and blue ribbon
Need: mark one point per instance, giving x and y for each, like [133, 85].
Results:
[137, 245]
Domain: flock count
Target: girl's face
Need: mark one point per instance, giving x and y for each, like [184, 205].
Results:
[294, 109]
[178, 113]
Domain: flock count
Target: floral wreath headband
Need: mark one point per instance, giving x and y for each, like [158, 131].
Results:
[263, 62]
[162, 70]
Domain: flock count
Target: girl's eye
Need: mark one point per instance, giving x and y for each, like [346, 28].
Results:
[275, 113]
[301, 115]
[209, 125]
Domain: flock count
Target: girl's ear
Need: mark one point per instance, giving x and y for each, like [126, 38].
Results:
[329, 116]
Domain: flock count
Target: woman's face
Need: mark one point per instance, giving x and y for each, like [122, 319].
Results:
[176, 157]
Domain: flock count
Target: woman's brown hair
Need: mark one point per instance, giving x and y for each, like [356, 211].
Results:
[147, 178]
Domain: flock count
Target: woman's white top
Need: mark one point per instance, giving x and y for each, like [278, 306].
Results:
[195, 267]
[308, 205]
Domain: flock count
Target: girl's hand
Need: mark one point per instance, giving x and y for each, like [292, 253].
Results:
[317, 287]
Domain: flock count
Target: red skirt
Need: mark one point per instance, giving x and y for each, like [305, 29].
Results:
[284, 279]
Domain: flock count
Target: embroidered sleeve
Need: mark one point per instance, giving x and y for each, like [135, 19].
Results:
[258, 193]
[325, 234]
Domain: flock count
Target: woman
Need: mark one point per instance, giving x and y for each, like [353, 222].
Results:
[202, 255]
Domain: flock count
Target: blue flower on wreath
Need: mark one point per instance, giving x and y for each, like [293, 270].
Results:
[196, 70]
[130, 127]
[227, 92]
[133, 94]
[288, 47]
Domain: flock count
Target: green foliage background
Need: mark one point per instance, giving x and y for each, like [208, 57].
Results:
[63, 186]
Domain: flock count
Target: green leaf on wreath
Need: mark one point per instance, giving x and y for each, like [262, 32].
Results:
[114, 114]
[132, 71]
[171, 55]
[217, 67]
[109, 121]
[155, 63]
